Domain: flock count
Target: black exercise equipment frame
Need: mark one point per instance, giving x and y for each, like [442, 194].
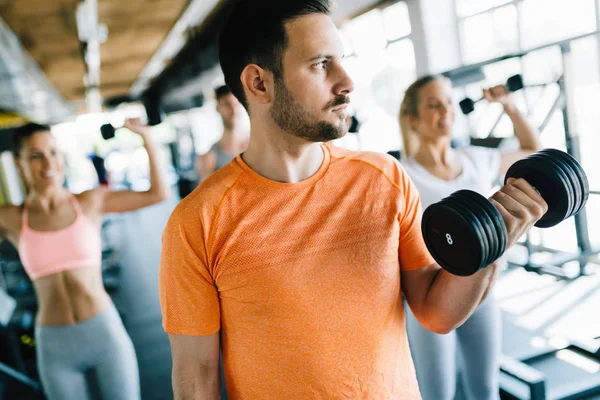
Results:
[520, 379]
[586, 253]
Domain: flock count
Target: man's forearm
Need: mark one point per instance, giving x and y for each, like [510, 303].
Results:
[201, 384]
[452, 299]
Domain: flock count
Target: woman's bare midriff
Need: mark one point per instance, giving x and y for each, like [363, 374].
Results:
[70, 297]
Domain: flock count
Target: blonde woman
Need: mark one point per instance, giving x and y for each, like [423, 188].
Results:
[427, 116]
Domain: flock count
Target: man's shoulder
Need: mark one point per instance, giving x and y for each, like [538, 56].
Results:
[205, 199]
[381, 162]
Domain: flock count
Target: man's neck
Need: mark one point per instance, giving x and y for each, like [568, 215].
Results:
[281, 156]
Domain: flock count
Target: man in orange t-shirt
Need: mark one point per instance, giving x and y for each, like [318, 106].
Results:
[292, 260]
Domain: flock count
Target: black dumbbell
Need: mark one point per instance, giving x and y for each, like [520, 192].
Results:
[465, 232]
[513, 84]
[107, 131]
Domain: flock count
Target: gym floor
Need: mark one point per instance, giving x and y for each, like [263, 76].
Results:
[537, 310]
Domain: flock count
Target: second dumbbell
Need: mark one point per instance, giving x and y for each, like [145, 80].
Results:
[514, 83]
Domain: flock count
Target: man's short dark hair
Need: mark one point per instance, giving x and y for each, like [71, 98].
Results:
[255, 34]
[21, 134]
[222, 91]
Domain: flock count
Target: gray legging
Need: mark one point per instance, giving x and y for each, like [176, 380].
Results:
[476, 345]
[93, 359]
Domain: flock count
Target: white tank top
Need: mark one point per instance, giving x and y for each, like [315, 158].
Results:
[480, 170]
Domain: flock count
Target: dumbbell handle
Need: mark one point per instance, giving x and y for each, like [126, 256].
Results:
[513, 84]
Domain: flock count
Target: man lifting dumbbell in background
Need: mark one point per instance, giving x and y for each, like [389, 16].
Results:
[293, 258]
[427, 122]
[234, 139]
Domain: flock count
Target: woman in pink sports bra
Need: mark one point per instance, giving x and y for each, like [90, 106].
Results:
[79, 334]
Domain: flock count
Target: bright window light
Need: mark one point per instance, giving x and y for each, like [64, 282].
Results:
[396, 21]
[546, 21]
[490, 35]
[470, 7]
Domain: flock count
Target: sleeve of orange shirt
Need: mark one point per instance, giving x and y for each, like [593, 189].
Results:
[412, 251]
[188, 295]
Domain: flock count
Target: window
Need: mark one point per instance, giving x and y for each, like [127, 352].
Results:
[367, 33]
[382, 66]
[470, 7]
[586, 103]
[490, 35]
[396, 21]
[491, 28]
[547, 21]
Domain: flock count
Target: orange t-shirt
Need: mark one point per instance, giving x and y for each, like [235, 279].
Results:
[302, 280]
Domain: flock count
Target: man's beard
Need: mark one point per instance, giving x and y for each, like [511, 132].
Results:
[293, 118]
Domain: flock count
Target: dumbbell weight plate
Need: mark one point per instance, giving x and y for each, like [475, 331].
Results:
[550, 182]
[107, 131]
[572, 178]
[467, 106]
[515, 83]
[496, 229]
[498, 222]
[575, 183]
[579, 173]
[562, 174]
[449, 237]
[464, 197]
[470, 212]
[581, 181]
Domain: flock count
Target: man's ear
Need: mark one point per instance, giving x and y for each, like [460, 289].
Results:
[258, 84]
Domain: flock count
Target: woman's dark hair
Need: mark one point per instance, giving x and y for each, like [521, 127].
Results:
[21, 134]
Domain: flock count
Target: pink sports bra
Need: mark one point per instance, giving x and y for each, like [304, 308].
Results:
[45, 253]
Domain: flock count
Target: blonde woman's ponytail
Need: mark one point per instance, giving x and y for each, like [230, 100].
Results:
[410, 138]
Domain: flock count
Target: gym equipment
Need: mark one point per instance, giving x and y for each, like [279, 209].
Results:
[107, 131]
[395, 153]
[550, 375]
[513, 84]
[465, 232]
[7, 306]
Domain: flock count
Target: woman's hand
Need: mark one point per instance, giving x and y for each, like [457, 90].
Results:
[499, 94]
[135, 125]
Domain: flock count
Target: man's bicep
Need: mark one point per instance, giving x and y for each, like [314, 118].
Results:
[196, 350]
[416, 285]
[412, 251]
[196, 373]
